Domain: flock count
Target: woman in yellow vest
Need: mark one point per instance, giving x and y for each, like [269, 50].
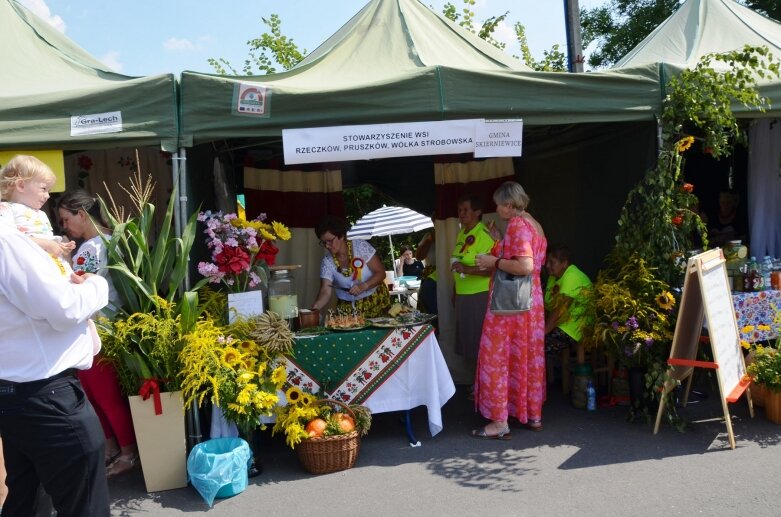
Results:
[471, 283]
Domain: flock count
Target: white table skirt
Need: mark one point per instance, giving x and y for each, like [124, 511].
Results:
[422, 380]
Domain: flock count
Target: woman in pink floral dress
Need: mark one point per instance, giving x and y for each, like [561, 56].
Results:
[510, 378]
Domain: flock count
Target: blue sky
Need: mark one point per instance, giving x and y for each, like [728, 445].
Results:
[146, 37]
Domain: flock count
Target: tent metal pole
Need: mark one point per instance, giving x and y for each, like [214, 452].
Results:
[184, 212]
[194, 435]
[393, 257]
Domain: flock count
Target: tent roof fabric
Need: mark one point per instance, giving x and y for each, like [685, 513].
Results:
[398, 61]
[50, 79]
[387, 37]
[701, 27]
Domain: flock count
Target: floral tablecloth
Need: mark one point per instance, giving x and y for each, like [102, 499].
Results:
[385, 370]
[349, 366]
[756, 313]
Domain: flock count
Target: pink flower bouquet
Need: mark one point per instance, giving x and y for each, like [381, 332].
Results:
[239, 248]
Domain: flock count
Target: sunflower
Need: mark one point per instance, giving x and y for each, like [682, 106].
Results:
[306, 399]
[685, 143]
[281, 230]
[747, 329]
[745, 344]
[665, 300]
[293, 395]
[248, 346]
[267, 235]
[231, 356]
[279, 375]
[764, 328]
[245, 377]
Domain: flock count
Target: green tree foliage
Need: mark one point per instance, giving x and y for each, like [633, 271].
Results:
[619, 25]
[553, 60]
[270, 50]
[771, 8]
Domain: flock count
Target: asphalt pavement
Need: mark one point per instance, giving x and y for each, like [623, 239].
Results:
[582, 463]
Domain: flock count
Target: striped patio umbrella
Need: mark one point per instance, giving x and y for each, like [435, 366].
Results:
[389, 220]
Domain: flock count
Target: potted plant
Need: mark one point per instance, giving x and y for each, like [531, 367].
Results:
[632, 315]
[148, 266]
[764, 368]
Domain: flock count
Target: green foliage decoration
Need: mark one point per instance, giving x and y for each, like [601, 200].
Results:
[658, 225]
[658, 220]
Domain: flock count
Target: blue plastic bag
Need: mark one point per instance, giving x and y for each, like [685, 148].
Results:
[218, 467]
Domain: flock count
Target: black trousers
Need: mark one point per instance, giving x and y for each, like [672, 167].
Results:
[52, 437]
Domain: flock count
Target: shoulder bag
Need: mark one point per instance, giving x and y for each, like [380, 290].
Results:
[510, 294]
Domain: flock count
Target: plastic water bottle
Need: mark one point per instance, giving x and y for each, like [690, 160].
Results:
[752, 278]
[591, 396]
[767, 270]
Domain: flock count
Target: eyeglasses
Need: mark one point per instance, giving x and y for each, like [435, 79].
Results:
[326, 242]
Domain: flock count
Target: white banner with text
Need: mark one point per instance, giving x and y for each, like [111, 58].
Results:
[366, 142]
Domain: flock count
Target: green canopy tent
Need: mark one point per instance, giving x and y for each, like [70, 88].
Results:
[398, 61]
[49, 80]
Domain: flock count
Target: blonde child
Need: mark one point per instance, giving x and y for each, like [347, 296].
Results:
[25, 182]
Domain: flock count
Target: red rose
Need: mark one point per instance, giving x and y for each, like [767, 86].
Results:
[688, 187]
[80, 273]
[677, 220]
[268, 252]
[232, 260]
[80, 261]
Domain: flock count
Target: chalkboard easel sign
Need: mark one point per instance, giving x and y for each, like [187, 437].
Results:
[706, 294]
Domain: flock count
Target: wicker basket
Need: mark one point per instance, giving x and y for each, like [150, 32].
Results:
[330, 453]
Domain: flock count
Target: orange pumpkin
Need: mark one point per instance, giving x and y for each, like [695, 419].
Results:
[316, 428]
[345, 422]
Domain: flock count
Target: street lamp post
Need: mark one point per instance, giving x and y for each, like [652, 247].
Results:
[575, 57]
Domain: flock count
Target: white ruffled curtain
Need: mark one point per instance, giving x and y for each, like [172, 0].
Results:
[764, 187]
[470, 174]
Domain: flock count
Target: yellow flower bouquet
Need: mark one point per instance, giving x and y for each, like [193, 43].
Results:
[236, 372]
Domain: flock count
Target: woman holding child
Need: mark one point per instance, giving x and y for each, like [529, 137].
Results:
[80, 217]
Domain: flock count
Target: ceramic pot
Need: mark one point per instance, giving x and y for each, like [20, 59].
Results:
[308, 318]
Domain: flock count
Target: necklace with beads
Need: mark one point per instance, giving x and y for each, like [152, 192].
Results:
[346, 271]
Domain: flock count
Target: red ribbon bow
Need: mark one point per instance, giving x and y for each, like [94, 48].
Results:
[152, 388]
